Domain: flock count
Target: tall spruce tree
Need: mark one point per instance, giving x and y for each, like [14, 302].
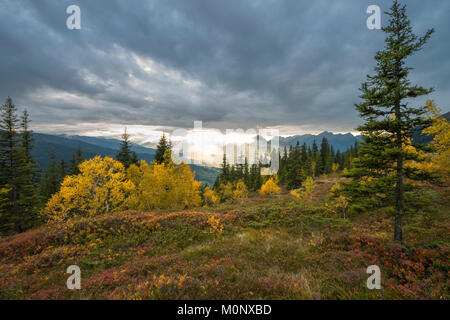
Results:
[51, 180]
[62, 169]
[77, 158]
[28, 179]
[164, 146]
[306, 160]
[282, 171]
[255, 177]
[11, 163]
[246, 173]
[18, 175]
[325, 158]
[295, 170]
[125, 154]
[379, 173]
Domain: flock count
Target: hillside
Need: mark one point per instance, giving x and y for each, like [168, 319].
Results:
[109, 143]
[65, 146]
[269, 248]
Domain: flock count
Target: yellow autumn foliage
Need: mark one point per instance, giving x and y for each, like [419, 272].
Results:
[163, 186]
[215, 226]
[225, 191]
[441, 142]
[210, 197]
[240, 192]
[334, 167]
[101, 187]
[306, 194]
[270, 187]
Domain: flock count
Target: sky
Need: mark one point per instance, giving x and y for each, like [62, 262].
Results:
[156, 66]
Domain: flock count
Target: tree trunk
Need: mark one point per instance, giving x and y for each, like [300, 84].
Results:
[399, 205]
[16, 219]
[107, 201]
[399, 201]
[398, 233]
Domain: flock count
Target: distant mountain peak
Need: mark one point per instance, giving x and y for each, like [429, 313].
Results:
[339, 141]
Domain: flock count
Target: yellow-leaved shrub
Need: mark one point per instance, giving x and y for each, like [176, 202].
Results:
[270, 187]
[210, 197]
[101, 187]
[306, 194]
[240, 192]
[225, 191]
[163, 186]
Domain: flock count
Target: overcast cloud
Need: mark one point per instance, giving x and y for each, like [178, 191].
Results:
[294, 65]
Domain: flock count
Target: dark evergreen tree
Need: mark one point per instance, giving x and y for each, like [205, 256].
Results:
[77, 158]
[255, 177]
[315, 150]
[28, 198]
[338, 160]
[324, 162]
[125, 154]
[52, 178]
[224, 175]
[233, 173]
[306, 160]
[11, 166]
[282, 170]
[295, 171]
[246, 174]
[18, 176]
[389, 122]
[62, 169]
[163, 150]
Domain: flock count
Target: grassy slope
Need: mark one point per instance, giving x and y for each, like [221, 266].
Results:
[270, 248]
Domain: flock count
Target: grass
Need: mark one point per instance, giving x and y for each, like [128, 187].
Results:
[269, 248]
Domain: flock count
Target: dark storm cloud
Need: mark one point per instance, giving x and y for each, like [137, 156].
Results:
[229, 63]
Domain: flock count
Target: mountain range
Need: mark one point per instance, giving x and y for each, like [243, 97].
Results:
[64, 146]
[339, 141]
[344, 141]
